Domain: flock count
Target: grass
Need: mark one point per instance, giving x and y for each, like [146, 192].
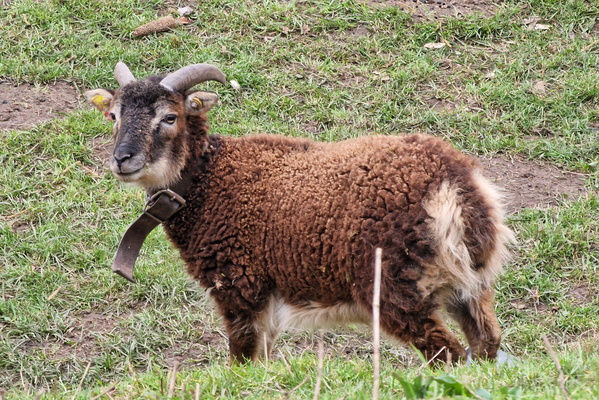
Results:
[322, 69]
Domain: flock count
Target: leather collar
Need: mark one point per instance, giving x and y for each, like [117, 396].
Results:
[159, 208]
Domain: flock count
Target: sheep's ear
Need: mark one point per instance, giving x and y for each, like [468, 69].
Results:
[99, 98]
[200, 102]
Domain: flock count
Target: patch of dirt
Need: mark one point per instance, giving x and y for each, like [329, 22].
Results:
[24, 106]
[529, 184]
[582, 295]
[434, 9]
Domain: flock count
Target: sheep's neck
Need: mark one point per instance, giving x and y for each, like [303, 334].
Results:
[200, 148]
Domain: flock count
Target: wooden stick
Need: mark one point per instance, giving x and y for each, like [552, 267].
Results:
[197, 393]
[376, 328]
[82, 379]
[423, 366]
[172, 380]
[588, 46]
[298, 386]
[265, 349]
[54, 293]
[320, 365]
[104, 392]
[561, 378]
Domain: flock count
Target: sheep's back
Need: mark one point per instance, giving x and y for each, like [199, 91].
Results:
[304, 217]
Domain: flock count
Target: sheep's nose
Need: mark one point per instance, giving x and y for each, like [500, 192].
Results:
[123, 153]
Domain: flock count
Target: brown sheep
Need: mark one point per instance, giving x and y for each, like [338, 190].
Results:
[282, 230]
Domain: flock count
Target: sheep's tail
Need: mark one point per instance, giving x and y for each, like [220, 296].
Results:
[470, 242]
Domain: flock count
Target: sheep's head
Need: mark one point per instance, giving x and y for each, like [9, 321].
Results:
[150, 118]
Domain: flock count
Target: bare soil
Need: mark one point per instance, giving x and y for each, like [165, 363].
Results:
[24, 106]
[436, 9]
[530, 184]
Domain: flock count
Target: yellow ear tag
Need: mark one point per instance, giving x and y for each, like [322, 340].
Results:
[196, 103]
[100, 102]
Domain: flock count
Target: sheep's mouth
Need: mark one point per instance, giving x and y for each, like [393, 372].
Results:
[129, 176]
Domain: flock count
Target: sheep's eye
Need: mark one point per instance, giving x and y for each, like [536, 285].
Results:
[170, 119]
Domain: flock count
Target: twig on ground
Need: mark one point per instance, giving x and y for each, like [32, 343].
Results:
[561, 379]
[82, 379]
[423, 366]
[160, 25]
[265, 349]
[320, 365]
[590, 45]
[298, 386]
[197, 393]
[172, 380]
[406, 7]
[54, 293]
[110, 388]
[376, 309]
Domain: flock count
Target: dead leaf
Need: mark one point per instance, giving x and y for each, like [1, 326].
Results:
[533, 25]
[540, 88]
[532, 20]
[305, 29]
[184, 11]
[439, 45]
[490, 75]
[285, 30]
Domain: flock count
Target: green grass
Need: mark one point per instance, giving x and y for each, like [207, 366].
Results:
[322, 69]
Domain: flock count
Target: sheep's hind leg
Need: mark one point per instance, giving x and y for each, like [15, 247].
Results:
[434, 340]
[425, 331]
[478, 322]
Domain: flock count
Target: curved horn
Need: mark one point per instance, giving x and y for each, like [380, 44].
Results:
[191, 75]
[122, 74]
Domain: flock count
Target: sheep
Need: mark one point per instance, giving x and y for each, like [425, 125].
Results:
[281, 231]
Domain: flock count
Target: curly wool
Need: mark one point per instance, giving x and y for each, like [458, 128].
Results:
[275, 225]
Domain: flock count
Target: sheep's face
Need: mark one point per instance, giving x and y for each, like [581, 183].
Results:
[150, 130]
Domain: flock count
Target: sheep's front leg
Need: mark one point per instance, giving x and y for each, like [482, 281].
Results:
[478, 322]
[243, 338]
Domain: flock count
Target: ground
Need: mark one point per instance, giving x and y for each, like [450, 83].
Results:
[435, 9]
[23, 106]
[527, 184]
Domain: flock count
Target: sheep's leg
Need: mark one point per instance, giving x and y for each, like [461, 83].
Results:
[243, 339]
[433, 339]
[423, 329]
[266, 340]
[478, 322]
[250, 338]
